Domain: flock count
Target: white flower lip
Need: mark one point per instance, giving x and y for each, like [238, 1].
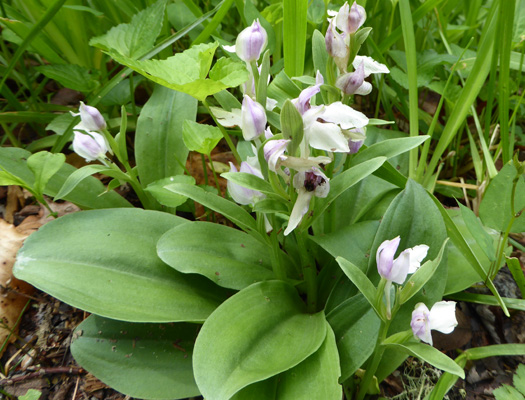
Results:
[441, 317]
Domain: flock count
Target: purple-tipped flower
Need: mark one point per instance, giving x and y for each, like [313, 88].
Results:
[350, 19]
[336, 46]
[408, 261]
[274, 153]
[90, 145]
[90, 118]
[350, 83]
[253, 119]
[240, 194]
[251, 42]
[309, 183]
[356, 138]
[441, 317]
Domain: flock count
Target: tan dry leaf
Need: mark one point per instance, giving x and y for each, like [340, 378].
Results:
[11, 303]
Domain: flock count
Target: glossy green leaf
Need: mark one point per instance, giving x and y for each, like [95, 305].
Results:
[133, 40]
[362, 282]
[316, 377]
[148, 361]
[356, 327]
[495, 208]
[79, 175]
[90, 193]
[462, 244]
[461, 274]
[431, 355]
[249, 181]
[159, 148]
[227, 256]
[292, 126]
[200, 137]
[230, 210]
[421, 276]
[105, 262]
[259, 332]
[164, 196]
[477, 231]
[389, 148]
[44, 165]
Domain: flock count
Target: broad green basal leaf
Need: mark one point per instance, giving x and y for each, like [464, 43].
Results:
[227, 256]
[159, 148]
[105, 262]
[314, 378]
[260, 332]
[164, 196]
[148, 361]
[355, 326]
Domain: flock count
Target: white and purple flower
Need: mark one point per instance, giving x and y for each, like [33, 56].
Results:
[307, 183]
[441, 317]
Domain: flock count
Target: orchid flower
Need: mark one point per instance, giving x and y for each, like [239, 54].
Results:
[309, 183]
[90, 119]
[326, 135]
[354, 82]
[356, 137]
[250, 42]
[441, 317]
[253, 119]
[336, 46]
[350, 19]
[396, 270]
[91, 145]
[243, 195]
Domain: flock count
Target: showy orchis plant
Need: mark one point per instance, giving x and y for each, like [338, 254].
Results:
[336, 258]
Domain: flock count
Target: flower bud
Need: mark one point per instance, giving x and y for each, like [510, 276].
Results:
[251, 42]
[253, 119]
[349, 83]
[274, 152]
[90, 145]
[90, 118]
[350, 19]
[240, 194]
[335, 43]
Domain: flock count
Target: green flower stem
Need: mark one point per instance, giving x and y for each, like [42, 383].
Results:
[205, 170]
[309, 272]
[374, 361]
[214, 173]
[224, 134]
[277, 266]
[145, 200]
[255, 72]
